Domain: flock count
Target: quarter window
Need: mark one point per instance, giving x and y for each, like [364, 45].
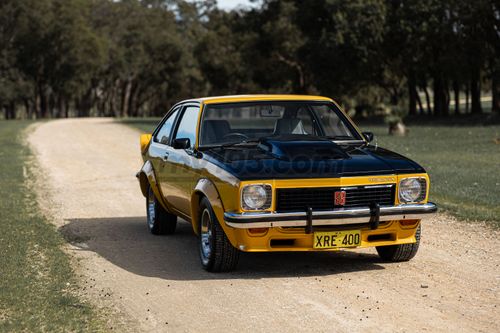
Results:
[163, 134]
[188, 124]
[333, 125]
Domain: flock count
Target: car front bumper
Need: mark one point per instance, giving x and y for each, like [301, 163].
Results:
[249, 220]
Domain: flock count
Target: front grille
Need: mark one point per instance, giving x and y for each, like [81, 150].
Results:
[322, 198]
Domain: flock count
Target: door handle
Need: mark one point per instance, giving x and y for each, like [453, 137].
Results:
[165, 156]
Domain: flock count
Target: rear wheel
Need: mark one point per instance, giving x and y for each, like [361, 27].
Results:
[216, 252]
[160, 222]
[401, 252]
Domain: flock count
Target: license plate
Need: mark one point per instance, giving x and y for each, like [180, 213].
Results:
[337, 239]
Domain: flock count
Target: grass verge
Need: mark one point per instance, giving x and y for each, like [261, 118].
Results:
[146, 125]
[462, 161]
[38, 289]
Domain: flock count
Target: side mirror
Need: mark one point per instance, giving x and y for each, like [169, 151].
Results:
[181, 143]
[369, 136]
[144, 141]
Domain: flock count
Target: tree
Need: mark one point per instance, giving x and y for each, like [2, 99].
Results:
[124, 58]
[342, 39]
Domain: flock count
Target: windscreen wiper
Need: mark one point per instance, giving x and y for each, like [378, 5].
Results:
[238, 144]
[340, 137]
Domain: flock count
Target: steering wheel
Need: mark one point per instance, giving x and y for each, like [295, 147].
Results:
[236, 135]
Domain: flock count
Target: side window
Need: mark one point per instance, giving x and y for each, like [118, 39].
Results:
[163, 134]
[187, 125]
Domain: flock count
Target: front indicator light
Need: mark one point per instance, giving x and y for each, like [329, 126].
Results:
[257, 230]
[408, 223]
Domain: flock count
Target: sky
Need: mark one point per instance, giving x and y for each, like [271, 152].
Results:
[231, 4]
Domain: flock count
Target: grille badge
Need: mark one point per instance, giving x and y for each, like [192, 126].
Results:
[339, 198]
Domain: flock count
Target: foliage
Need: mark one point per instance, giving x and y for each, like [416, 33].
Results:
[63, 58]
[393, 115]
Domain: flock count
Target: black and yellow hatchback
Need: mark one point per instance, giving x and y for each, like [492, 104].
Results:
[260, 173]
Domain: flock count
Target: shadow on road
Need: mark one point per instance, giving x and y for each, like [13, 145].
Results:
[126, 242]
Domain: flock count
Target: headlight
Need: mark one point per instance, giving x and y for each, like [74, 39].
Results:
[412, 190]
[256, 197]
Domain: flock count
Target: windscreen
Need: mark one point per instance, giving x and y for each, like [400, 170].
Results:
[240, 122]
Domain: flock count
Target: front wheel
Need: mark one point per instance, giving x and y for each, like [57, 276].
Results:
[160, 222]
[401, 252]
[217, 254]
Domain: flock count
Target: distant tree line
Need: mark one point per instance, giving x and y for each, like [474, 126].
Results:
[128, 58]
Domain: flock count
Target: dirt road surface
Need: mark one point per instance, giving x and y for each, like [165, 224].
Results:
[155, 283]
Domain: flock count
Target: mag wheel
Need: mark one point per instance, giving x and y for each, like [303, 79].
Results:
[216, 252]
[401, 252]
[160, 222]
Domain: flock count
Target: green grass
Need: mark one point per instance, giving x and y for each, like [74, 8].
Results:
[37, 285]
[462, 161]
[146, 125]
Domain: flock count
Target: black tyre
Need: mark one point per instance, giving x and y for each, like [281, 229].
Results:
[216, 252]
[402, 252]
[160, 222]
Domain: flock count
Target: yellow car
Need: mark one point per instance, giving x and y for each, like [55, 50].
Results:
[261, 173]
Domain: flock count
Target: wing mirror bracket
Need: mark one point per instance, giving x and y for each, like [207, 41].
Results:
[369, 136]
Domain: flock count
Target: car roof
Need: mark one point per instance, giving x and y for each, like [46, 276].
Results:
[254, 98]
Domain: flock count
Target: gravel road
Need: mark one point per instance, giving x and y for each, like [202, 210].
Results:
[155, 283]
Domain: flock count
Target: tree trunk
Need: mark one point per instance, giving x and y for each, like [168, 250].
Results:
[467, 90]
[412, 92]
[446, 94]
[420, 106]
[495, 91]
[85, 104]
[428, 100]
[66, 108]
[96, 102]
[395, 96]
[61, 105]
[456, 91]
[53, 109]
[439, 97]
[27, 106]
[44, 102]
[9, 110]
[115, 99]
[419, 102]
[475, 94]
[126, 97]
[5, 111]
[108, 104]
[133, 103]
[36, 102]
